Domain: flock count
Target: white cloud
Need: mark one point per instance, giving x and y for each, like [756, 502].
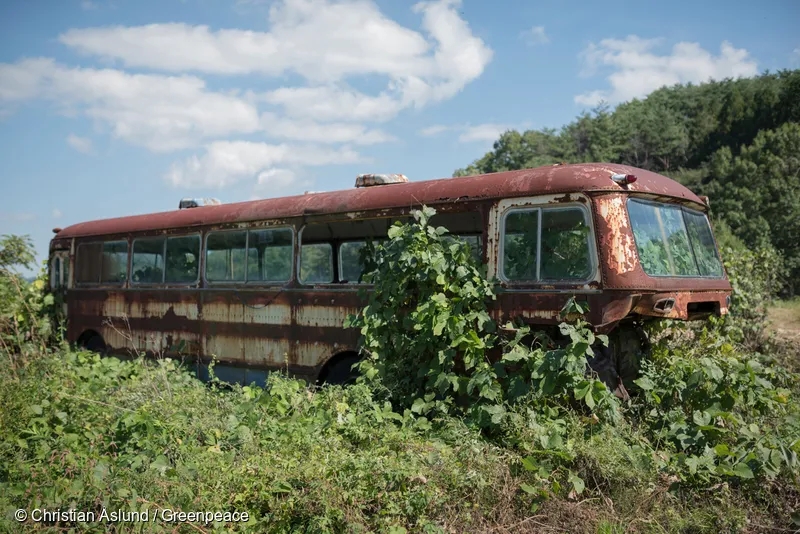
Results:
[795, 56]
[328, 45]
[57, 213]
[469, 133]
[281, 180]
[434, 130]
[227, 162]
[483, 132]
[328, 103]
[81, 144]
[637, 70]
[536, 35]
[323, 41]
[88, 5]
[165, 113]
[314, 132]
[24, 79]
[162, 113]
[278, 178]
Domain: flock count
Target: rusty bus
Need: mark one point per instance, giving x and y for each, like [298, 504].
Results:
[267, 284]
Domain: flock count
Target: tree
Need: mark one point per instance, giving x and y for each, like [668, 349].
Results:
[758, 193]
[15, 251]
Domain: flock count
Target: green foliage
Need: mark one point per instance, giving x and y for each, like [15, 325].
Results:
[707, 412]
[15, 251]
[85, 432]
[756, 279]
[758, 194]
[27, 312]
[718, 415]
[427, 312]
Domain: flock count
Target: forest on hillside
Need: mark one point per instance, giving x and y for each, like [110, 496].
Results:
[736, 141]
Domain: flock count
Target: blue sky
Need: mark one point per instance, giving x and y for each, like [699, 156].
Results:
[111, 108]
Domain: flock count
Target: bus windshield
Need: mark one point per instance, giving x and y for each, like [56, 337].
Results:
[673, 240]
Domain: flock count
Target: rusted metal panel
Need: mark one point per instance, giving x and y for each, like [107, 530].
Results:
[288, 328]
[707, 302]
[615, 235]
[543, 308]
[555, 180]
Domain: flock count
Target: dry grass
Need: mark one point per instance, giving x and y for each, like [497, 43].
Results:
[784, 317]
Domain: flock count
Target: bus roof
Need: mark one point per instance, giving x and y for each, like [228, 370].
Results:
[553, 179]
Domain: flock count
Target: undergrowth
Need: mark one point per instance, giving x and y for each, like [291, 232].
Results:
[456, 424]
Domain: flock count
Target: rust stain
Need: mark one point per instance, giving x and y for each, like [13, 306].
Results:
[321, 315]
[621, 256]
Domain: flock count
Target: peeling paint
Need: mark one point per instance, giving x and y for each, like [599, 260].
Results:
[621, 255]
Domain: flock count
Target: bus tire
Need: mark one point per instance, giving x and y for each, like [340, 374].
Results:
[341, 372]
[95, 344]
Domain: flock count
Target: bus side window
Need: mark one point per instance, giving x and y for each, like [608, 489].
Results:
[565, 245]
[465, 226]
[88, 263]
[148, 261]
[225, 256]
[56, 282]
[183, 259]
[474, 242]
[546, 244]
[65, 270]
[269, 255]
[520, 245]
[115, 262]
[316, 263]
[350, 266]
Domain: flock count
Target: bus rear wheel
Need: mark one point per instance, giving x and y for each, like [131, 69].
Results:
[341, 372]
[95, 343]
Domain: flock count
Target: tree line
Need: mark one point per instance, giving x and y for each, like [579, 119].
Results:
[736, 141]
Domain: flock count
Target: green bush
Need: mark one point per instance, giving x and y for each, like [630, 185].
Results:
[89, 433]
[708, 410]
[494, 424]
[27, 311]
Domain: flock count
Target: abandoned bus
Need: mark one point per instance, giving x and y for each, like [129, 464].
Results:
[268, 284]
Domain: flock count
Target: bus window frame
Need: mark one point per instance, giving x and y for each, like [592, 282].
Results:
[339, 261]
[222, 284]
[164, 284]
[204, 254]
[541, 203]
[101, 283]
[332, 262]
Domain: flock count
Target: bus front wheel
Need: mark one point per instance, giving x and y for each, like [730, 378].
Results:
[341, 371]
[95, 343]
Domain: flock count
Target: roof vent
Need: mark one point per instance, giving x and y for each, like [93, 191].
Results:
[197, 202]
[369, 180]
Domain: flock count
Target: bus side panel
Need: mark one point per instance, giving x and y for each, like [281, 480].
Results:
[146, 321]
[270, 328]
[319, 317]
